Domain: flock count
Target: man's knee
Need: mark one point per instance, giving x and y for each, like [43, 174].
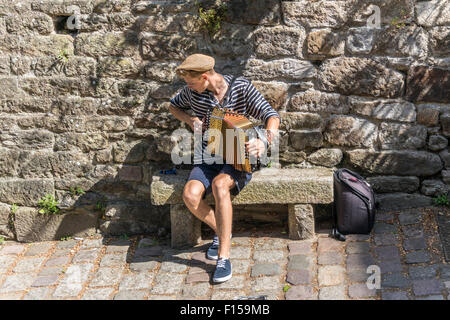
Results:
[221, 186]
[192, 194]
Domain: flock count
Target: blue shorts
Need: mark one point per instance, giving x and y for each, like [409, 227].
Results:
[205, 173]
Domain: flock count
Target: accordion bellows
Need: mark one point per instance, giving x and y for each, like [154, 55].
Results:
[232, 150]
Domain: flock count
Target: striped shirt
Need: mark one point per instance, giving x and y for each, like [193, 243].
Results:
[244, 98]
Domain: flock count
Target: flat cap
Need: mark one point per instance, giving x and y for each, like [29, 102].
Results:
[197, 62]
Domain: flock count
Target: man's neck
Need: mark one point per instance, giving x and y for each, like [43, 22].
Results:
[217, 84]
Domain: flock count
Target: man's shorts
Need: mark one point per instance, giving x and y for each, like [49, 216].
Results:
[205, 173]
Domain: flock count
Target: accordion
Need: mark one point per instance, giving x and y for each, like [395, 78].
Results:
[230, 144]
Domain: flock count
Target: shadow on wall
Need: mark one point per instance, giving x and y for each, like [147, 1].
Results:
[118, 196]
[120, 199]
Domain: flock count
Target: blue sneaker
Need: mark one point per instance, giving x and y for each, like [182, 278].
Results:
[213, 250]
[223, 270]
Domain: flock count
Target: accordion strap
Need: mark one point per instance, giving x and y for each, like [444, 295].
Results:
[227, 94]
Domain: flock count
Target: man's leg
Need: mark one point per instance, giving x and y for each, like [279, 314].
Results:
[221, 186]
[192, 197]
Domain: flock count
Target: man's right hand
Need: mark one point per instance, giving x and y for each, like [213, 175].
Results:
[195, 121]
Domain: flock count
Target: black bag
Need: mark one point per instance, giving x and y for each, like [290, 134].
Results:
[353, 206]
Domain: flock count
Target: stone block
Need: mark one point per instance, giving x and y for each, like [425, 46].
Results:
[359, 76]
[31, 226]
[185, 227]
[403, 163]
[433, 13]
[301, 221]
[278, 41]
[287, 68]
[269, 185]
[386, 184]
[331, 14]
[428, 84]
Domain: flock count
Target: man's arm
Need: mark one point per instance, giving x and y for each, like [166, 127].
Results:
[184, 117]
[272, 125]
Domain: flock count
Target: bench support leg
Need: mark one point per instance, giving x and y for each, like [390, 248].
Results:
[301, 221]
[185, 227]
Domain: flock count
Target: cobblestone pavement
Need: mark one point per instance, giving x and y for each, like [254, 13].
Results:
[404, 245]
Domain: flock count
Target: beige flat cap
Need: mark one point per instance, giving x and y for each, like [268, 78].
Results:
[197, 62]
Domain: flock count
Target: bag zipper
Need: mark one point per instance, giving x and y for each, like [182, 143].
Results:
[365, 199]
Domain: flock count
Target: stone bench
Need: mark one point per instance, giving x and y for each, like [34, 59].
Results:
[300, 189]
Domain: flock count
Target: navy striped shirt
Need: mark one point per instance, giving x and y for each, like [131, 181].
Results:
[244, 98]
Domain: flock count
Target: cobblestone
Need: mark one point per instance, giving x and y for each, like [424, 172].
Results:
[142, 280]
[37, 294]
[331, 258]
[300, 262]
[358, 247]
[106, 277]
[268, 255]
[394, 295]
[387, 253]
[332, 293]
[97, 294]
[38, 249]
[427, 287]
[29, 264]
[141, 268]
[412, 231]
[420, 272]
[130, 295]
[265, 269]
[386, 239]
[12, 249]
[414, 244]
[301, 293]
[360, 291]
[417, 257]
[304, 248]
[410, 218]
[395, 280]
[299, 277]
[331, 275]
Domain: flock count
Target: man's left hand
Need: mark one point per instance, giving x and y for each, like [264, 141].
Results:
[255, 147]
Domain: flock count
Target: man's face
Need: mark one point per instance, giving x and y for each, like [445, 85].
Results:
[198, 84]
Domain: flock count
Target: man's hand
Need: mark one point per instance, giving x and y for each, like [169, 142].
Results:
[196, 122]
[255, 147]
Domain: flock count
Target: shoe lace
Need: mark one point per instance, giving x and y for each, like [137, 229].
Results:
[215, 241]
[221, 263]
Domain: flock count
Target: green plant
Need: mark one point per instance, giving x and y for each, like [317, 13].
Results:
[14, 208]
[66, 238]
[63, 55]
[212, 18]
[48, 205]
[396, 20]
[124, 237]
[2, 239]
[76, 191]
[396, 23]
[442, 200]
[286, 288]
[100, 206]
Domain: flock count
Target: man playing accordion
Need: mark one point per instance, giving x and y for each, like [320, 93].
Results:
[206, 89]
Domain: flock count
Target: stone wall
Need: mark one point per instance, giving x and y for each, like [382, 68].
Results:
[87, 107]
